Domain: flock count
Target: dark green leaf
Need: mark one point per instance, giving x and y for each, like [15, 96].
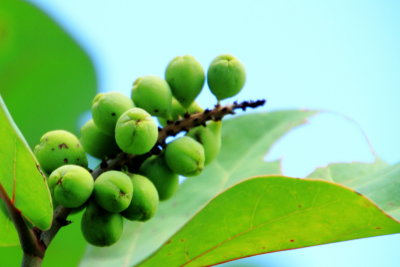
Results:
[46, 79]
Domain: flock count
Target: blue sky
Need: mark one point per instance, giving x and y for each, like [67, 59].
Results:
[338, 56]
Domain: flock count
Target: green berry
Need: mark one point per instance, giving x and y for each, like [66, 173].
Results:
[194, 108]
[225, 76]
[97, 143]
[58, 148]
[152, 94]
[185, 156]
[210, 138]
[136, 132]
[100, 227]
[113, 191]
[107, 108]
[185, 75]
[144, 201]
[178, 111]
[167, 182]
[70, 185]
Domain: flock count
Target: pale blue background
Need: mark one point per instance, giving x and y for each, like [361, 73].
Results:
[342, 56]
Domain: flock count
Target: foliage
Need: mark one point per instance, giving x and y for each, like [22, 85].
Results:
[268, 214]
[239, 206]
[42, 70]
[21, 179]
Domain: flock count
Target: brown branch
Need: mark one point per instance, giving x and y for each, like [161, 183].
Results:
[124, 159]
[59, 220]
[32, 248]
[197, 119]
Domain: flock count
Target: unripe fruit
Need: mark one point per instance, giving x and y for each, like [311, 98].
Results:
[167, 182]
[178, 111]
[107, 108]
[210, 138]
[144, 201]
[152, 94]
[185, 156]
[97, 143]
[58, 148]
[113, 191]
[136, 132]
[100, 227]
[225, 76]
[70, 185]
[185, 76]
[194, 108]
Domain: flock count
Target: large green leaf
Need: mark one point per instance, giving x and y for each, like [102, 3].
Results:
[245, 142]
[378, 181]
[21, 178]
[46, 79]
[268, 214]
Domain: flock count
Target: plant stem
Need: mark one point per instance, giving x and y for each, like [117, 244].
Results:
[59, 220]
[31, 261]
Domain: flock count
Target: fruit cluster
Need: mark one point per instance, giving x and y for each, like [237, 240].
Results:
[124, 126]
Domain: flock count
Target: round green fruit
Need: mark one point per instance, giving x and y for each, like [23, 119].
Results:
[107, 108]
[58, 148]
[136, 132]
[97, 143]
[144, 201]
[225, 76]
[100, 227]
[178, 111]
[70, 185]
[210, 138]
[185, 156]
[185, 75]
[167, 182]
[113, 191]
[194, 108]
[152, 94]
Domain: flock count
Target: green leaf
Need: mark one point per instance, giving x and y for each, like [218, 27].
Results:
[268, 214]
[377, 181]
[46, 79]
[241, 156]
[21, 178]
[8, 235]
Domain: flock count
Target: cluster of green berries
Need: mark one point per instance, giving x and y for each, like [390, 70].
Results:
[121, 124]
